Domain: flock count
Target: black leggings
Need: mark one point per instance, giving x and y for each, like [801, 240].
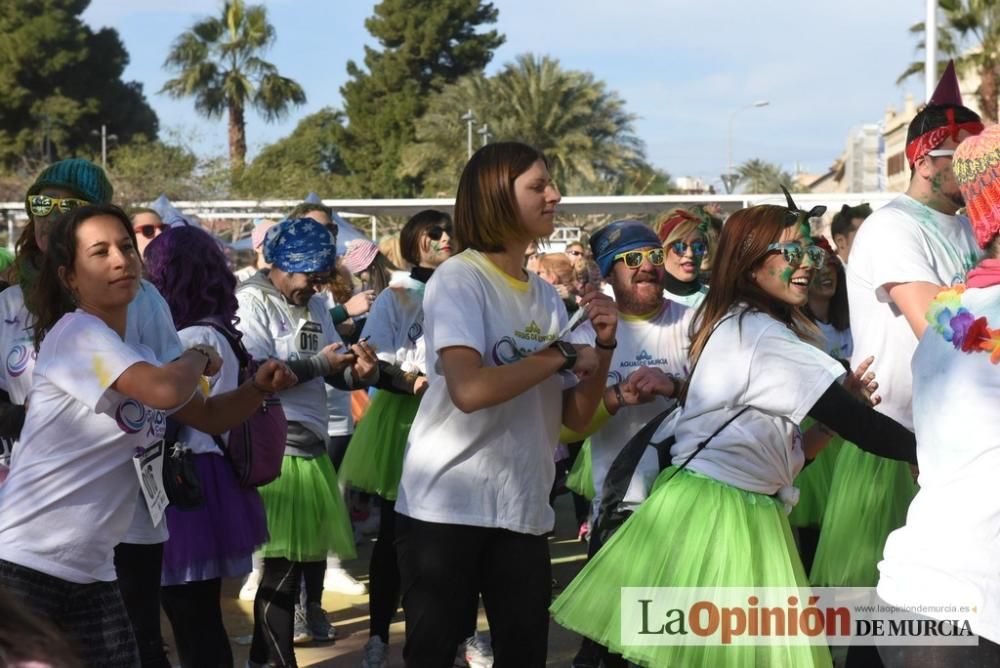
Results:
[195, 613]
[274, 610]
[138, 568]
[383, 573]
[312, 579]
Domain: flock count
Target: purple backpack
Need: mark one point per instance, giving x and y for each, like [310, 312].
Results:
[255, 448]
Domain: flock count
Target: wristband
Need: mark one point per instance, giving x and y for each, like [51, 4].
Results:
[602, 346]
[617, 387]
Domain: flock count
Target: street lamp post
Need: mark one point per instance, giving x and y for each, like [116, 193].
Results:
[485, 132]
[729, 178]
[470, 119]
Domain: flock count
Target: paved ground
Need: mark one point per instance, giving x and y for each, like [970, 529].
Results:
[350, 613]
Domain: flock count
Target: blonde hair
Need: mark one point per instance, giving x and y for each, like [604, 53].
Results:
[389, 246]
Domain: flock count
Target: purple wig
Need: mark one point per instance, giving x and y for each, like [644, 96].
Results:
[188, 267]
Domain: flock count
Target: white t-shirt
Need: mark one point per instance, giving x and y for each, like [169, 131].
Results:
[226, 380]
[493, 467]
[948, 552]
[762, 364]
[902, 242]
[396, 327]
[340, 419]
[660, 341]
[836, 343]
[274, 328]
[72, 490]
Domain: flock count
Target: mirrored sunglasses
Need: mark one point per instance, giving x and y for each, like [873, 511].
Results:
[698, 248]
[633, 259]
[794, 253]
[42, 205]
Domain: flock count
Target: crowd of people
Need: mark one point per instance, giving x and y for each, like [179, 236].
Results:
[827, 403]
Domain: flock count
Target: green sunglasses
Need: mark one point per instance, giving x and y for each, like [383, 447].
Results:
[42, 205]
[633, 259]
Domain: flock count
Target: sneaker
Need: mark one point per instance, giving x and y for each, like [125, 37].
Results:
[340, 581]
[319, 626]
[248, 591]
[478, 651]
[376, 654]
[301, 633]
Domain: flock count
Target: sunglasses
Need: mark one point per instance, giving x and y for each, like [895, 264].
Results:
[435, 233]
[42, 205]
[150, 231]
[794, 253]
[633, 259]
[698, 248]
[321, 278]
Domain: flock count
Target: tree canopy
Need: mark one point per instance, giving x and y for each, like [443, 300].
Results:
[425, 44]
[61, 81]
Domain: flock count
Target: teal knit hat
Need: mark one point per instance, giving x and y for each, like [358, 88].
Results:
[81, 177]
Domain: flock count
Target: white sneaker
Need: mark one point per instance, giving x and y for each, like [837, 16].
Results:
[376, 654]
[340, 581]
[478, 651]
[248, 591]
[301, 633]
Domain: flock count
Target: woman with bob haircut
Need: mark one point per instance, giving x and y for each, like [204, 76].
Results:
[473, 504]
[97, 401]
[717, 515]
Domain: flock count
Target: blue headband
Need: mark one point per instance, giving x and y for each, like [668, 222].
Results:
[300, 245]
[619, 237]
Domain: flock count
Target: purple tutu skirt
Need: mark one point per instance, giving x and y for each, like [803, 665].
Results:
[218, 539]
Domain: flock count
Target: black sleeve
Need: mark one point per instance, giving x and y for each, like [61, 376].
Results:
[393, 379]
[862, 425]
[309, 368]
[11, 417]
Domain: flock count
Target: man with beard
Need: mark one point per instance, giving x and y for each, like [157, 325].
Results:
[644, 379]
[901, 257]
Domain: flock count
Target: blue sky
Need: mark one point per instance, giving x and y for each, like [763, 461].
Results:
[681, 66]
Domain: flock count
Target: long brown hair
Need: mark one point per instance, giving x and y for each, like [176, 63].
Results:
[486, 213]
[51, 299]
[742, 249]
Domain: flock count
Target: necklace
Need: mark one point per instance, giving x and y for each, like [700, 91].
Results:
[962, 328]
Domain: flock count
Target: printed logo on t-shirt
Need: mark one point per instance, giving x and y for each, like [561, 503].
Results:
[534, 333]
[131, 416]
[415, 332]
[505, 351]
[18, 358]
[644, 359]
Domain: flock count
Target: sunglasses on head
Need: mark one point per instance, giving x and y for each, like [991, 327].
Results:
[150, 231]
[438, 231]
[633, 259]
[698, 248]
[42, 205]
[794, 253]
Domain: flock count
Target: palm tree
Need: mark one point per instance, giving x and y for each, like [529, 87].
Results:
[761, 176]
[581, 127]
[970, 33]
[219, 64]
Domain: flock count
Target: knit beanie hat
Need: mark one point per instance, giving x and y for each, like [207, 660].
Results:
[619, 237]
[977, 169]
[81, 177]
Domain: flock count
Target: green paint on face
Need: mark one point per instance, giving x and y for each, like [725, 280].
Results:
[936, 183]
[436, 246]
[806, 232]
[786, 275]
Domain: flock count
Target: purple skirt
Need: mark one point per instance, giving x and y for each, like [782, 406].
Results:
[218, 539]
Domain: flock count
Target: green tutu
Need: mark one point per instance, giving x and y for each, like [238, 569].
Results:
[869, 497]
[374, 459]
[693, 531]
[581, 476]
[306, 515]
[814, 483]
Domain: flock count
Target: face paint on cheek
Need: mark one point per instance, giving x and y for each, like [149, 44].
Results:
[436, 246]
[786, 275]
[936, 183]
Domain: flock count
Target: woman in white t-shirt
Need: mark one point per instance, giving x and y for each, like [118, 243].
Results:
[95, 422]
[473, 504]
[717, 517]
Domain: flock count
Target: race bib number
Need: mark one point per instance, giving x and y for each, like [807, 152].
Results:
[149, 469]
[308, 339]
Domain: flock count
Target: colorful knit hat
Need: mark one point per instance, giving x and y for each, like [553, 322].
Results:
[300, 245]
[360, 254]
[81, 177]
[619, 237]
[977, 169]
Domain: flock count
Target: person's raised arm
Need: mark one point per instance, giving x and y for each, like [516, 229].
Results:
[165, 387]
[913, 299]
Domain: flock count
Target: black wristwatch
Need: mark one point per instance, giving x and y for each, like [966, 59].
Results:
[569, 352]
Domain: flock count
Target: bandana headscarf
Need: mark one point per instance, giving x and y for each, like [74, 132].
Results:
[675, 218]
[300, 245]
[946, 92]
[619, 237]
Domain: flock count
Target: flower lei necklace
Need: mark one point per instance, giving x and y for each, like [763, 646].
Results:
[961, 327]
